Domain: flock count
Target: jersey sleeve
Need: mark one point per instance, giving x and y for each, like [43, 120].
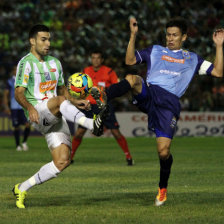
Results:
[22, 74]
[204, 67]
[143, 55]
[61, 80]
[113, 77]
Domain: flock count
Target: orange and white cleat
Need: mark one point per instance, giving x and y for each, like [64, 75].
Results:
[161, 197]
[98, 93]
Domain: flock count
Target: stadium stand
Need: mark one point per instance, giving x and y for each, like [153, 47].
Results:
[80, 25]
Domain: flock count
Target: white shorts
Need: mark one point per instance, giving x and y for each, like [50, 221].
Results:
[55, 129]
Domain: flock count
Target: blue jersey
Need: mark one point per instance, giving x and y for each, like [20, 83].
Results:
[172, 70]
[11, 87]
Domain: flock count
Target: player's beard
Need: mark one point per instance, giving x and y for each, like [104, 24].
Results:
[42, 52]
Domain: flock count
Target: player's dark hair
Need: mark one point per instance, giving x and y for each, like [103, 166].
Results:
[98, 51]
[38, 28]
[178, 22]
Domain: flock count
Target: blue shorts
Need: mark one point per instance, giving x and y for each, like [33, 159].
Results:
[162, 107]
[111, 121]
[18, 117]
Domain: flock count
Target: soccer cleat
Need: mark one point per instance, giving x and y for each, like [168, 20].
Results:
[25, 146]
[98, 121]
[130, 162]
[20, 196]
[99, 95]
[97, 126]
[18, 148]
[161, 197]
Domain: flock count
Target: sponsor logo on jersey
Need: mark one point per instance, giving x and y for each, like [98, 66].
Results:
[47, 76]
[46, 86]
[20, 71]
[25, 79]
[168, 72]
[186, 54]
[174, 60]
[52, 70]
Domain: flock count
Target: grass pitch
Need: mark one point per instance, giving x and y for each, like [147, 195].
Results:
[100, 188]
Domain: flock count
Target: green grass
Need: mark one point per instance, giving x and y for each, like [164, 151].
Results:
[100, 188]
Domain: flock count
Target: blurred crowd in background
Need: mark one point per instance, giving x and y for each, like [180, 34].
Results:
[79, 26]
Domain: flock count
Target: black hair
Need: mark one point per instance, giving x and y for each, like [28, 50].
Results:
[38, 28]
[179, 22]
[98, 51]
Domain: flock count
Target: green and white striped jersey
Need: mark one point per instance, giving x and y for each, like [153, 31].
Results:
[39, 78]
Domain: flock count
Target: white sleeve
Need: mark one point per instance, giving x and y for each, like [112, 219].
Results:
[203, 70]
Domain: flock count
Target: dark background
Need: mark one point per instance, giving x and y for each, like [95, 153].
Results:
[80, 26]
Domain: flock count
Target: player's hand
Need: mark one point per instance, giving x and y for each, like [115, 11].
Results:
[81, 104]
[218, 37]
[133, 25]
[33, 115]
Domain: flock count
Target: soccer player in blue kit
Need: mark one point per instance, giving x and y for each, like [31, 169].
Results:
[16, 112]
[170, 69]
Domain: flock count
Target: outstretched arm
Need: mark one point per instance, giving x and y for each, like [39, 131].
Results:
[218, 38]
[130, 58]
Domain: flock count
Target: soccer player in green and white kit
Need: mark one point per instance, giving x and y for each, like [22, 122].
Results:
[40, 90]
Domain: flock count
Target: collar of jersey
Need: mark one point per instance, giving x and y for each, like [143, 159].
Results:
[35, 58]
[175, 51]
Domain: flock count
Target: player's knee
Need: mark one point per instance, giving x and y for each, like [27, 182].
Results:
[27, 125]
[62, 163]
[164, 154]
[56, 102]
[78, 136]
[16, 128]
[61, 99]
[131, 79]
[62, 160]
[116, 133]
[135, 82]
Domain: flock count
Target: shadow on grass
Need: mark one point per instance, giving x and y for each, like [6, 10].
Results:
[140, 199]
[83, 200]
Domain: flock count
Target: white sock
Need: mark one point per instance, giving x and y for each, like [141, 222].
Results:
[71, 113]
[46, 172]
[85, 122]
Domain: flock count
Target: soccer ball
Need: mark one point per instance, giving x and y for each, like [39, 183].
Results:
[79, 85]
